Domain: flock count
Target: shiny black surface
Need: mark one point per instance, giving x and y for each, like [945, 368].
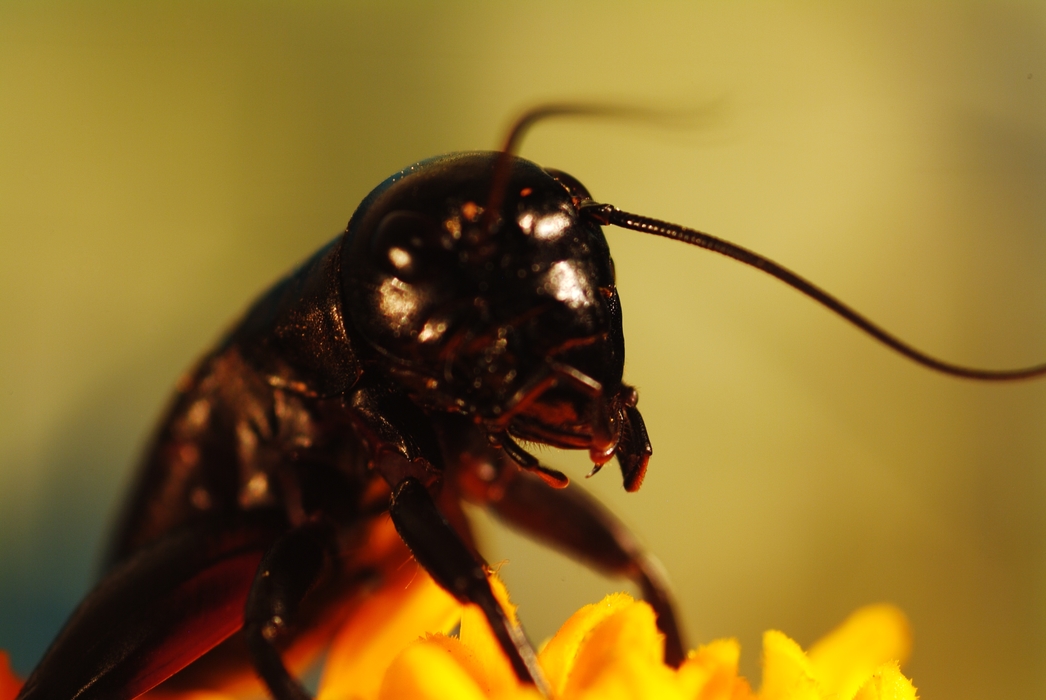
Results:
[414, 349]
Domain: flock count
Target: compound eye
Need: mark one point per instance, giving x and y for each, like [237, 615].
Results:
[407, 245]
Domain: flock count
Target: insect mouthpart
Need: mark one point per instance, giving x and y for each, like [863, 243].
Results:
[566, 415]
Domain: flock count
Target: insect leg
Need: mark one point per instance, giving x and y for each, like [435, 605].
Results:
[439, 549]
[289, 570]
[574, 522]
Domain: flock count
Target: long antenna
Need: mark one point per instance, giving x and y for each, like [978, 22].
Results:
[519, 128]
[607, 214]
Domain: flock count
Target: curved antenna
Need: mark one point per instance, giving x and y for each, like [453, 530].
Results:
[519, 128]
[606, 214]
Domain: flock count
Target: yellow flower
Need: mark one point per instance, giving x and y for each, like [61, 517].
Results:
[611, 650]
[395, 646]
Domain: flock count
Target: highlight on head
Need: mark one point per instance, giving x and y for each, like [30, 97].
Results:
[606, 214]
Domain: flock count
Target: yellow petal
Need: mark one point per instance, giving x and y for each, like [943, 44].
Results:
[626, 645]
[887, 683]
[628, 679]
[443, 668]
[432, 670]
[787, 673]
[710, 673]
[389, 619]
[558, 655]
[498, 676]
[871, 636]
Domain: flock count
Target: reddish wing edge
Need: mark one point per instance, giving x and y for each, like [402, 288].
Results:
[157, 612]
[216, 599]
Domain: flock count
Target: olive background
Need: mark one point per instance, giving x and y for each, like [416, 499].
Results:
[161, 164]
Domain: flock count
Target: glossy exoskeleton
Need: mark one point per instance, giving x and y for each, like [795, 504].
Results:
[392, 372]
[469, 304]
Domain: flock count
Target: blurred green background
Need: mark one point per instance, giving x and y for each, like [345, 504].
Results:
[161, 164]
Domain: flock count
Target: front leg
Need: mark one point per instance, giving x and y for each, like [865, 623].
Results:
[575, 523]
[406, 453]
[290, 568]
[439, 549]
[568, 519]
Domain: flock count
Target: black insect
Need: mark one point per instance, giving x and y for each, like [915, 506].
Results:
[469, 305]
